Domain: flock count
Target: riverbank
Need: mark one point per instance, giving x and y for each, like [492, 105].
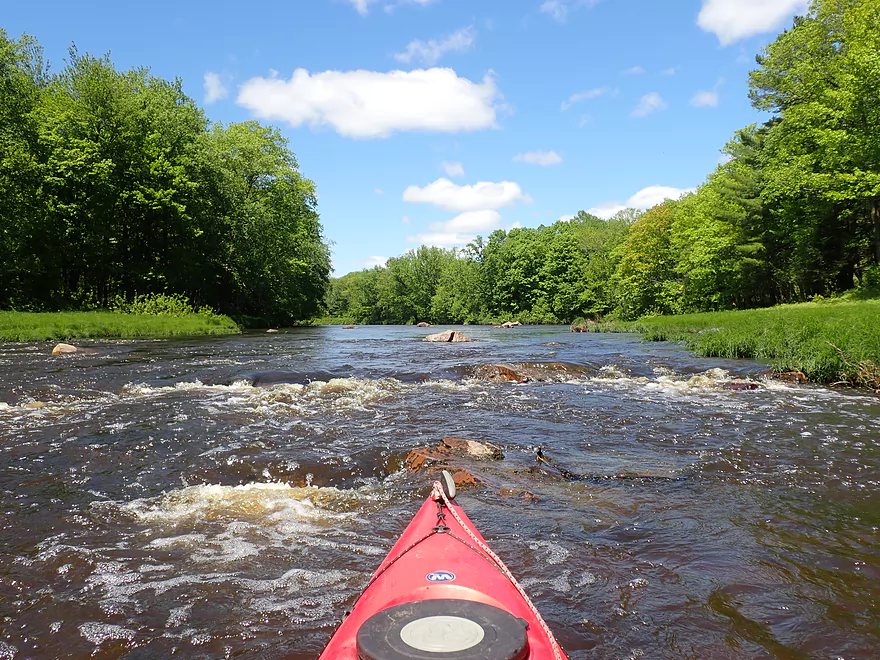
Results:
[30, 326]
[830, 342]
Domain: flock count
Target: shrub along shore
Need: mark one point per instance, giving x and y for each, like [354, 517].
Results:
[830, 342]
[31, 326]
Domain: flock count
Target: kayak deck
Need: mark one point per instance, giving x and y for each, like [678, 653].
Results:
[442, 557]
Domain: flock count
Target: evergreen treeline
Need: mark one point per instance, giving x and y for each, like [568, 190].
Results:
[114, 184]
[793, 214]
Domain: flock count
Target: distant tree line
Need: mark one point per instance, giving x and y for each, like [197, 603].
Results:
[794, 213]
[114, 184]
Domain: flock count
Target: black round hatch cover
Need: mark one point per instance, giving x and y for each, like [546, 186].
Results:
[444, 629]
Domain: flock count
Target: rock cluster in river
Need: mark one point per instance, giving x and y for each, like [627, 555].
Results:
[443, 457]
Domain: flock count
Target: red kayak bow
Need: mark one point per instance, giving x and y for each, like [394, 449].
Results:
[442, 593]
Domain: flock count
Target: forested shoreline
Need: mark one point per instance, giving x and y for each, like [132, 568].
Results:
[792, 215]
[114, 184]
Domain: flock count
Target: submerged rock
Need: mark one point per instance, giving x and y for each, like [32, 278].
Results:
[349, 327]
[423, 324]
[524, 372]
[473, 448]
[448, 336]
[509, 324]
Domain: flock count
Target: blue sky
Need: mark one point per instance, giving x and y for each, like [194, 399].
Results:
[431, 121]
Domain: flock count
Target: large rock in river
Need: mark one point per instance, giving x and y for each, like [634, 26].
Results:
[448, 336]
[70, 349]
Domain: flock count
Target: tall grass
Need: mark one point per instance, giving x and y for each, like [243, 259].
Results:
[832, 341]
[28, 326]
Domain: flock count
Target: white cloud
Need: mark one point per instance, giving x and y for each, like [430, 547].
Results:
[651, 102]
[363, 6]
[469, 221]
[705, 99]
[440, 239]
[373, 261]
[461, 230]
[633, 71]
[577, 97]
[214, 87]
[671, 71]
[543, 158]
[560, 9]
[732, 20]
[406, 220]
[378, 191]
[371, 104]
[428, 52]
[566, 218]
[478, 197]
[453, 169]
[642, 200]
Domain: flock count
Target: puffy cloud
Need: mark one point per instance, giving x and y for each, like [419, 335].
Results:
[214, 87]
[441, 239]
[406, 220]
[470, 221]
[543, 158]
[566, 218]
[705, 99]
[633, 71]
[651, 102]
[371, 261]
[577, 97]
[428, 52]
[671, 71]
[371, 104]
[453, 169]
[478, 197]
[643, 199]
[378, 191]
[461, 230]
[732, 20]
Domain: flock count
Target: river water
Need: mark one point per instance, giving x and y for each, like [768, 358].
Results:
[157, 503]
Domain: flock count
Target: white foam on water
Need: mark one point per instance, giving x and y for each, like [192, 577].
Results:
[98, 633]
[666, 381]
[255, 502]
[550, 551]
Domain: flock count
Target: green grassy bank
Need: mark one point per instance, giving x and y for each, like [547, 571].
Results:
[832, 341]
[28, 326]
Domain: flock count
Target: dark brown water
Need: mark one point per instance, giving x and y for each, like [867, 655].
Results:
[155, 503]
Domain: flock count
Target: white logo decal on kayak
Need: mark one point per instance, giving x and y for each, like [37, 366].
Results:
[440, 576]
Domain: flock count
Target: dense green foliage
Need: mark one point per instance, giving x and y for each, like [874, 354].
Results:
[829, 341]
[793, 214]
[31, 326]
[113, 183]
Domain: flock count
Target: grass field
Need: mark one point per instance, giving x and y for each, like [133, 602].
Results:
[27, 326]
[832, 341]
